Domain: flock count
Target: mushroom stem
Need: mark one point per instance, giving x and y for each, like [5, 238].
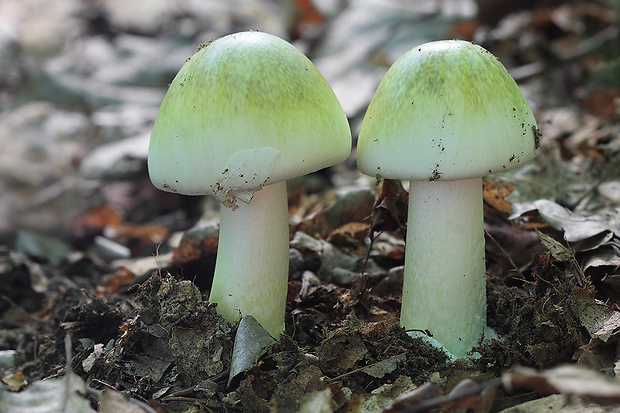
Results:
[251, 270]
[444, 281]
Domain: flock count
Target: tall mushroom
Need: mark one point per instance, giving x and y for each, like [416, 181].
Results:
[245, 113]
[446, 114]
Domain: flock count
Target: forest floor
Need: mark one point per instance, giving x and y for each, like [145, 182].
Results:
[104, 279]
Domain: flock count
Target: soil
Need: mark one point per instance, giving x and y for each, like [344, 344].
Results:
[161, 341]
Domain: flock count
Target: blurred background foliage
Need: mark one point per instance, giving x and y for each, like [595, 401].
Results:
[81, 82]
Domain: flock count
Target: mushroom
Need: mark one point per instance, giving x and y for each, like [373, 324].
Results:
[245, 113]
[446, 114]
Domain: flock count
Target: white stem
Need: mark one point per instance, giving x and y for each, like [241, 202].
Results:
[444, 288]
[251, 270]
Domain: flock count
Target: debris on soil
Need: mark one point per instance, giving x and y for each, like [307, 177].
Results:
[90, 250]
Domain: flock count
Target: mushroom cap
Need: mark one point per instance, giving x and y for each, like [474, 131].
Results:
[446, 110]
[246, 110]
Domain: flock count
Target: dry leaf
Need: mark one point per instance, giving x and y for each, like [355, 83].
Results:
[557, 250]
[389, 213]
[113, 401]
[351, 234]
[494, 193]
[317, 402]
[250, 343]
[569, 380]
[601, 321]
[63, 395]
[576, 227]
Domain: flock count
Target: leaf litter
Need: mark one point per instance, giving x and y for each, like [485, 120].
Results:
[90, 247]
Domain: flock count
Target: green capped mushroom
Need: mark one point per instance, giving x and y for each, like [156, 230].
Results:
[245, 113]
[446, 114]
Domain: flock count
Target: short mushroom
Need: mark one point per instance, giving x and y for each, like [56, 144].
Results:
[245, 113]
[446, 114]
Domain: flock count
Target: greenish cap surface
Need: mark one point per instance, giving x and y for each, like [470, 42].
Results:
[242, 97]
[446, 110]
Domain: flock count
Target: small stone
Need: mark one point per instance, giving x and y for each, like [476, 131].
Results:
[302, 240]
[344, 277]
[296, 264]
[391, 285]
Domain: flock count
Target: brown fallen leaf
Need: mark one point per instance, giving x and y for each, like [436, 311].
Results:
[601, 102]
[117, 281]
[389, 213]
[350, 236]
[307, 17]
[197, 243]
[333, 209]
[100, 217]
[139, 236]
[494, 193]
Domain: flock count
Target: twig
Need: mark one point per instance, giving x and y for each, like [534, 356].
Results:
[17, 307]
[190, 390]
[224, 404]
[503, 252]
[332, 380]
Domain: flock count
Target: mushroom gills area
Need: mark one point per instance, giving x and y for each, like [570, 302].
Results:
[444, 290]
[251, 270]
